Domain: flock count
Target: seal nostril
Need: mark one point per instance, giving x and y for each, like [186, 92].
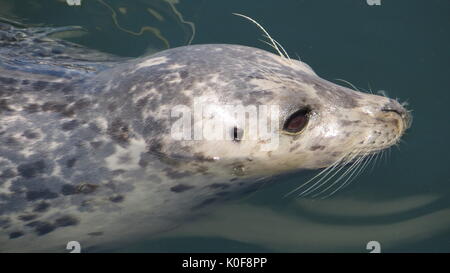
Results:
[395, 107]
[392, 110]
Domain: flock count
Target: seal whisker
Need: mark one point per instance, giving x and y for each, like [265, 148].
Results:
[383, 93]
[357, 164]
[364, 163]
[311, 190]
[268, 73]
[370, 88]
[377, 159]
[264, 30]
[272, 46]
[384, 156]
[361, 165]
[282, 48]
[313, 178]
[349, 83]
[325, 174]
[354, 166]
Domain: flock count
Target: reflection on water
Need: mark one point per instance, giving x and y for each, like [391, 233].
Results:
[332, 225]
[403, 203]
[134, 28]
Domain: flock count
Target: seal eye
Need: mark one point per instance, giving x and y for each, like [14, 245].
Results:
[237, 134]
[296, 122]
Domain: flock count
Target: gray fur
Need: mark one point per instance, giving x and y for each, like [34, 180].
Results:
[84, 147]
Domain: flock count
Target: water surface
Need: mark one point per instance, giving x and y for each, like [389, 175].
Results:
[400, 47]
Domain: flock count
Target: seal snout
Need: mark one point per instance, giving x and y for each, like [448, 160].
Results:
[394, 107]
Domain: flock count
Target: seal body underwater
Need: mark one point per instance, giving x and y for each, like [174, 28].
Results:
[87, 152]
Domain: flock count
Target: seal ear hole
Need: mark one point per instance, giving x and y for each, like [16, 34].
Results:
[237, 134]
[297, 121]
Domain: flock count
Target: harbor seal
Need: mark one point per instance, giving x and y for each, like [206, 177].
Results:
[87, 151]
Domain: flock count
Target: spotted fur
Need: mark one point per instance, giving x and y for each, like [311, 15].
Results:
[85, 146]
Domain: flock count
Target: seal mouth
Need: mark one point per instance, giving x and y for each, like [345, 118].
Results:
[403, 113]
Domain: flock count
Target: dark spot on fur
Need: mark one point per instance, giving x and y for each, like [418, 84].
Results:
[71, 162]
[67, 88]
[295, 147]
[56, 85]
[181, 188]
[15, 234]
[82, 103]
[41, 228]
[143, 162]
[219, 186]
[39, 85]
[96, 144]
[41, 194]
[57, 50]
[66, 220]
[116, 198]
[30, 134]
[119, 131]
[8, 81]
[58, 107]
[125, 158]
[96, 233]
[32, 108]
[202, 158]
[118, 172]
[252, 188]
[176, 174]
[41, 207]
[223, 193]
[112, 107]
[27, 217]
[29, 170]
[345, 123]
[86, 188]
[4, 106]
[8, 173]
[94, 127]
[238, 169]
[205, 203]
[202, 169]
[12, 141]
[142, 102]
[155, 146]
[68, 189]
[184, 74]
[317, 147]
[4, 222]
[70, 125]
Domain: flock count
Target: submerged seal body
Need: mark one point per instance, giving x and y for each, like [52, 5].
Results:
[87, 150]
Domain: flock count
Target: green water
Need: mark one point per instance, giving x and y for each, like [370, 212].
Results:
[401, 47]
